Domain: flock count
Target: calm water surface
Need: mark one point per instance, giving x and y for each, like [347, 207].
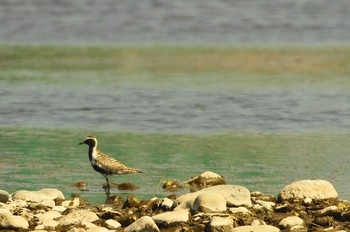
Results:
[261, 138]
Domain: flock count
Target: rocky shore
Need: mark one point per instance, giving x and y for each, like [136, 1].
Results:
[306, 205]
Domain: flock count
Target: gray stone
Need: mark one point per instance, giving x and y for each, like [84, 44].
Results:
[219, 224]
[4, 196]
[314, 189]
[208, 202]
[144, 224]
[78, 216]
[234, 195]
[263, 228]
[171, 217]
[9, 221]
[290, 221]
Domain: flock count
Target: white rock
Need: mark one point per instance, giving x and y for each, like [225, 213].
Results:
[258, 222]
[266, 204]
[5, 211]
[76, 230]
[48, 215]
[208, 202]
[300, 229]
[171, 217]
[167, 204]
[239, 210]
[38, 196]
[78, 216]
[59, 208]
[48, 224]
[17, 204]
[112, 224]
[234, 195]
[314, 189]
[97, 229]
[291, 221]
[263, 228]
[144, 224]
[9, 221]
[217, 224]
[88, 225]
[328, 211]
[307, 201]
[73, 203]
[4, 196]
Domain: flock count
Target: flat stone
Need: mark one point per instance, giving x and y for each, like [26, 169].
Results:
[314, 189]
[9, 221]
[291, 221]
[144, 224]
[78, 216]
[328, 211]
[38, 196]
[112, 224]
[219, 224]
[239, 210]
[97, 229]
[171, 217]
[209, 202]
[4, 196]
[263, 228]
[234, 195]
[266, 204]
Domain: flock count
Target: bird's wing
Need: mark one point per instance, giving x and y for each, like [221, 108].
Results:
[112, 165]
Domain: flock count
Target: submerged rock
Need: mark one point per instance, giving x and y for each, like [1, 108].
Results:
[314, 189]
[206, 179]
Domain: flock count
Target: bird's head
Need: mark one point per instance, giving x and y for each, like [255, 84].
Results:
[90, 140]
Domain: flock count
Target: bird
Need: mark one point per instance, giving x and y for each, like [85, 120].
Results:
[105, 164]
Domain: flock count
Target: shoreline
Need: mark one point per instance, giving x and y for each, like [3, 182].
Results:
[306, 205]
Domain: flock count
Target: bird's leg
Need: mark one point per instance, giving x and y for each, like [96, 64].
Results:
[108, 187]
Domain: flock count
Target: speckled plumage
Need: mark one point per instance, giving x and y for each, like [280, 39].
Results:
[105, 164]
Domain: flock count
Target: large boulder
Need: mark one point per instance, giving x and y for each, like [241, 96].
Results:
[38, 196]
[314, 189]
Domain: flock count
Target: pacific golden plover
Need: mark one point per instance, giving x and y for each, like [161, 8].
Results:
[105, 164]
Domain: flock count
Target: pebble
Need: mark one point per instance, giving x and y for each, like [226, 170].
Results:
[4, 196]
[112, 224]
[143, 224]
[263, 228]
[171, 217]
[290, 221]
[208, 202]
[167, 204]
[218, 224]
[314, 189]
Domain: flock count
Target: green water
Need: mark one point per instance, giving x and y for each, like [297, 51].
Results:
[261, 117]
[37, 158]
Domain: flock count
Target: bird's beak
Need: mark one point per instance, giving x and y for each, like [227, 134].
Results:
[82, 143]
